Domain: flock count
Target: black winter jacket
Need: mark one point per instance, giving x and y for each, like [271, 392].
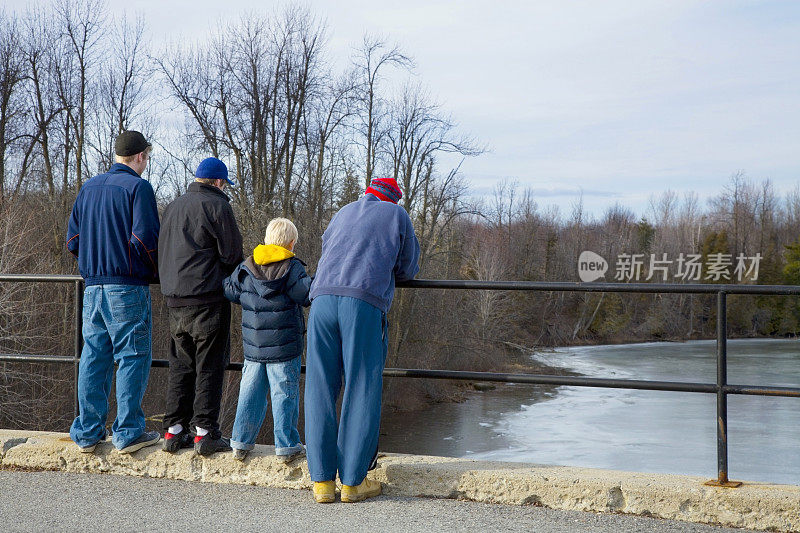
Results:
[271, 286]
[198, 246]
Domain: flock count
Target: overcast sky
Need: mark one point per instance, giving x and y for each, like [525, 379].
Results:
[620, 99]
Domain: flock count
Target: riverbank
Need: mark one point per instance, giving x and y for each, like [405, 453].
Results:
[754, 505]
[623, 340]
[413, 395]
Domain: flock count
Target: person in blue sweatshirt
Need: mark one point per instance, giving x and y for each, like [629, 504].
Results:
[368, 245]
[113, 232]
[272, 287]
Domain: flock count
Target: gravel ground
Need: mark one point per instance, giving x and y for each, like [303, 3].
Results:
[57, 501]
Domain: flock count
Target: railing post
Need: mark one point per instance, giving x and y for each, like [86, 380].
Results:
[722, 380]
[78, 346]
[722, 396]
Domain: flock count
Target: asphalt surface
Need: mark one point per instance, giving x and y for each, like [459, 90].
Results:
[58, 501]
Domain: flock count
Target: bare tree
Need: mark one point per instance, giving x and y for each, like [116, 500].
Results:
[301, 79]
[191, 80]
[123, 89]
[82, 22]
[254, 66]
[416, 134]
[12, 74]
[371, 59]
[39, 59]
[323, 121]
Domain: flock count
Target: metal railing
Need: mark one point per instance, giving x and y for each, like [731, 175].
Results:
[721, 388]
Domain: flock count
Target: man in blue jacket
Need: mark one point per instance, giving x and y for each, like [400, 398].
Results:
[368, 245]
[113, 232]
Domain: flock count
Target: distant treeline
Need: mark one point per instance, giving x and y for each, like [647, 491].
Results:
[302, 140]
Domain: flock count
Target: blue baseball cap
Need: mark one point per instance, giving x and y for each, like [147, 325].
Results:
[213, 169]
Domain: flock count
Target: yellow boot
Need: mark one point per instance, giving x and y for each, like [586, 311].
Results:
[325, 491]
[367, 489]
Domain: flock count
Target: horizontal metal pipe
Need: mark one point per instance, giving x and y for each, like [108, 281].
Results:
[497, 377]
[24, 358]
[542, 379]
[45, 278]
[751, 390]
[63, 359]
[687, 288]
[546, 286]
[163, 363]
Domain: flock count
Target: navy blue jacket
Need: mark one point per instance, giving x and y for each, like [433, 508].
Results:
[368, 245]
[271, 286]
[113, 229]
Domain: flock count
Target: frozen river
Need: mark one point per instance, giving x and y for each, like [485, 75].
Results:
[645, 431]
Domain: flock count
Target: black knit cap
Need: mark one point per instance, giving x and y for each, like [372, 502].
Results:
[130, 143]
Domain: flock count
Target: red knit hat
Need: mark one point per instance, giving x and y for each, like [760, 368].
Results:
[386, 189]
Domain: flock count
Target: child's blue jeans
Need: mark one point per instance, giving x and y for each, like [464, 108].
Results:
[282, 382]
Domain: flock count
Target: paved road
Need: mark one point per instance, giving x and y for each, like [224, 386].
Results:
[57, 501]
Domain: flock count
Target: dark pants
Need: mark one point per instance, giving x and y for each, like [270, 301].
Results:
[199, 352]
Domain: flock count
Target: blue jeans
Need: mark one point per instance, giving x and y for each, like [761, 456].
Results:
[282, 382]
[347, 338]
[117, 328]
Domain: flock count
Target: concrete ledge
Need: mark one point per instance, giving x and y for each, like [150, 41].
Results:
[754, 505]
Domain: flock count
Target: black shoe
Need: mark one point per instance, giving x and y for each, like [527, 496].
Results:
[148, 438]
[207, 445]
[173, 443]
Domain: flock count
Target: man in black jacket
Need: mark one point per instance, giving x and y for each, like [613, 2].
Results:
[199, 246]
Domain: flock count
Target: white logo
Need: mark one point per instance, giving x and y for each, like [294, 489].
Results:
[591, 266]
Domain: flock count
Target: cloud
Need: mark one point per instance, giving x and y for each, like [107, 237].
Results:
[557, 192]
[545, 192]
[617, 99]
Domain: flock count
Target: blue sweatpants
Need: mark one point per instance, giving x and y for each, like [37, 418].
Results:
[347, 339]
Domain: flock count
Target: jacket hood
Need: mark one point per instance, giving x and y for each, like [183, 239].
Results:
[269, 265]
[264, 254]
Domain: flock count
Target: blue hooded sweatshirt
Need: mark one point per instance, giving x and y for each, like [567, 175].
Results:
[368, 245]
[113, 229]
